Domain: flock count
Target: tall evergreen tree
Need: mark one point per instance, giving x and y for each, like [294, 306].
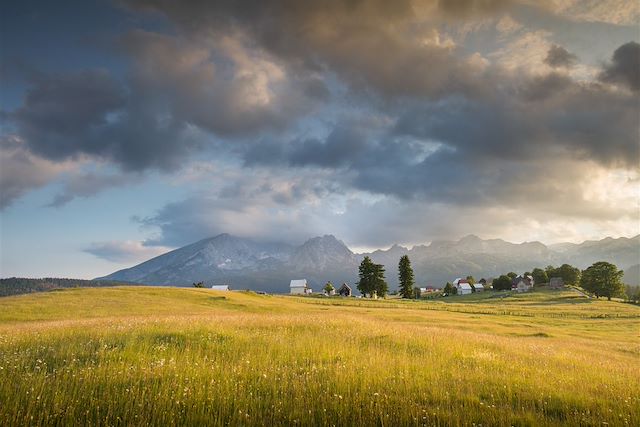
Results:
[405, 275]
[381, 286]
[372, 278]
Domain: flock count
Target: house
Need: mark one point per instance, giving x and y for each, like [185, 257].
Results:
[330, 293]
[344, 290]
[463, 286]
[522, 284]
[479, 287]
[299, 287]
[556, 283]
[220, 288]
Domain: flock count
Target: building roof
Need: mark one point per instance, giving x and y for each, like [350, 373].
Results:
[344, 286]
[220, 287]
[464, 285]
[298, 283]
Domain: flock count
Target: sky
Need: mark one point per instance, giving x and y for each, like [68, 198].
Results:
[132, 127]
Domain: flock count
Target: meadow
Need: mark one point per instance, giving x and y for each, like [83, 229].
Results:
[169, 356]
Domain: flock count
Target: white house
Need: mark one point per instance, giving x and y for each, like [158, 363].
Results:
[463, 286]
[299, 287]
[479, 287]
[220, 288]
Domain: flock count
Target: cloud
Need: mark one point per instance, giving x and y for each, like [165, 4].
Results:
[21, 171]
[84, 185]
[619, 12]
[559, 57]
[61, 114]
[291, 210]
[126, 251]
[624, 67]
[344, 37]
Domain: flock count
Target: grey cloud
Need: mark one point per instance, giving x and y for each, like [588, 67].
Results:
[21, 171]
[175, 98]
[543, 87]
[205, 85]
[85, 185]
[90, 113]
[624, 67]
[342, 146]
[124, 251]
[559, 57]
[465, 8]
[62, 113]
[345, 37]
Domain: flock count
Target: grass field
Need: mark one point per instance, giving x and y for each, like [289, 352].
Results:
[163, 356]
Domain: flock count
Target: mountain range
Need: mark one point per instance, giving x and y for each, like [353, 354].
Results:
[269, 266]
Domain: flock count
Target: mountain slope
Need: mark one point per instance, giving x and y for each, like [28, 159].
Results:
[245, 263]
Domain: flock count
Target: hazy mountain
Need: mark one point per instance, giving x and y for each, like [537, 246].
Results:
[245, 263]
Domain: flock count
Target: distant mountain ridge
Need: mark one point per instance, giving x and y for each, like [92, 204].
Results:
[246, 263]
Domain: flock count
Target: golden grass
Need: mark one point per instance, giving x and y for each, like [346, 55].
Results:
[159, 356]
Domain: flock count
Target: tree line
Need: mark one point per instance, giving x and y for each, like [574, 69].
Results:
[602, 279]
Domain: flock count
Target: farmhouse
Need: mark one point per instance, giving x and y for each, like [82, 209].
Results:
[556, 283]
[463, 286]
[299, 287]
[221, 287]
[479, 287]
[522, 284]
[344, 290]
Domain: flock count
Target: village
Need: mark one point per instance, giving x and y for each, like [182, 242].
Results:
[459, 286]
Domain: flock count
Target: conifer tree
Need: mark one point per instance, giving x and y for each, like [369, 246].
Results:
[405, 275]
[371, 278]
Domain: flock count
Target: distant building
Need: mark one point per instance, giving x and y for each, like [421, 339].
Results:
[420, 292]
[522, 284]
[463, 286]
[299, 287]
[220, 288]
[344, 290]
[556, 283]
[479, 287]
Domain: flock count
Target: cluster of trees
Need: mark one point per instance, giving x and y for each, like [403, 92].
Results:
[372, 281]
[603, 279]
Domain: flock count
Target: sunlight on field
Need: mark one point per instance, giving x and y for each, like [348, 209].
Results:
[139, 356]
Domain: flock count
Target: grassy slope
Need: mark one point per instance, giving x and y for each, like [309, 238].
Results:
[193, 356]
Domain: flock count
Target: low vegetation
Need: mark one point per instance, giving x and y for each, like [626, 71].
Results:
[21, 285]
[167, 356]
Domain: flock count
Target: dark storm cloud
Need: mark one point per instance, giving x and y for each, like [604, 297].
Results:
[61, 113]
[65, 116]
[624, 67]
[173, 96]
[559, 57]
[371, 45]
